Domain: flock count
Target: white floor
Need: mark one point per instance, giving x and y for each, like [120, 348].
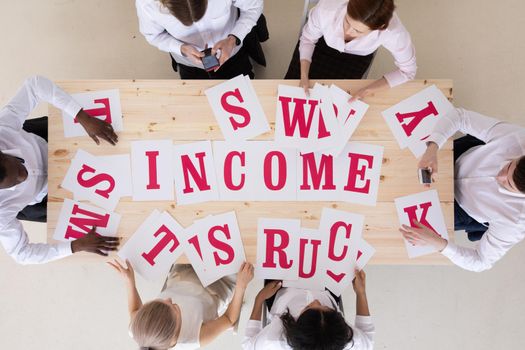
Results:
[69, 304]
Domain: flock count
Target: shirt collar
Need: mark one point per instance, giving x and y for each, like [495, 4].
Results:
[503, 190]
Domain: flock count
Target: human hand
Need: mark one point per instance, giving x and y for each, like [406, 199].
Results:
[94, 243]
[359, 282]
[305, 84]
[96, 128]
[126, 272]
[192, 53]
[245, 275]
[429, 160]
[422, 235]
[226, 46]
[269, 290]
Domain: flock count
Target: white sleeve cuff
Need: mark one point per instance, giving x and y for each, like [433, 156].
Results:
[395, 78]
[64, 249]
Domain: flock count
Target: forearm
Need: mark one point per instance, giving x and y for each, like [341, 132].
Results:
[257, 309]
[134, 301]
[234, 309]
[305, 69]
[362, 305]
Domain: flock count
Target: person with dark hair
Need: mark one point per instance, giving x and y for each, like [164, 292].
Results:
[185, 28]
[23, 172]
[308, 320]
[489, 187]
[339, 41]
[185, 315]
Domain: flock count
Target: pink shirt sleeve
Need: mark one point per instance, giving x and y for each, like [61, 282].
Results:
[310, 34]
[400, 46]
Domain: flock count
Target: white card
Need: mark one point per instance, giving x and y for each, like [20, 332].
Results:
[223, 251]
[425, 208]
[311, 275]
[358, 173]
[305, 123]
[364, 254]
[76, 220]
[104, 105]
[155, 246]
[88, 178]
[316, 178]
[233, 162]
[277, 249]
[152, 170]
[342, 234]
[237, 109]
[120, 166]
[193, 166]
[348, 115]
[414, 118]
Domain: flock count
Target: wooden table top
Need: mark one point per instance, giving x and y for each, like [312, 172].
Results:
[179, 110]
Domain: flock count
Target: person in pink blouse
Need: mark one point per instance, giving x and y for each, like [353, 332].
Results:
[339, 41]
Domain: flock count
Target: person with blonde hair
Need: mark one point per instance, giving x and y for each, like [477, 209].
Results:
[186, 314]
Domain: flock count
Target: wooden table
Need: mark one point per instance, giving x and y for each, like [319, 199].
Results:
[179, 110]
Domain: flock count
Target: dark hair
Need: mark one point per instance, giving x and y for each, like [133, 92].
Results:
[519, 174]
[317, 330]
[3, 171]
[186, 11]
[376, 14]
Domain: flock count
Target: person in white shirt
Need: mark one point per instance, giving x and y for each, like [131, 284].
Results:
[185, 315]
[186, 28]
[489, 187]
[23, 172]
[303, 320]
[339, 41]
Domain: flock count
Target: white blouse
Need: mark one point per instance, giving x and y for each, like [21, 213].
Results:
[326, 20]
[167, 33]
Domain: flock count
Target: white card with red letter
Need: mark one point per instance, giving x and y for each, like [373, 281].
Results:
[364, 254]
[120, 165]
[195, 180]
[152, 170]
[348, 115]
[76, 220]
[316, 177]
[413, 119]
[342, 234]
[237, 109]
[311, 275]
[425, 208]
[308, 124]
[233, 161]
[358, 173]
[223, 251]
[103, 105]
[277, 249]
[155, 246]
[195, 240]
[92, 180]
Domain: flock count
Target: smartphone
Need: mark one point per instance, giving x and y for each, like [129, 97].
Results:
[425, 176]
[209, 61]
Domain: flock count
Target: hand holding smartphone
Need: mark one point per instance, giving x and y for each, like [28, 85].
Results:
[425, 176]
[209, 61]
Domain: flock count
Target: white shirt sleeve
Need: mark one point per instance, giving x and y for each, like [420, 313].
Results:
[481, 127]
[490, 249]
[311, 33]
[404, 53]
[251, 10]
[16, 243]
[253, 328]
[364, 330]
[35, 90]
[156, 34]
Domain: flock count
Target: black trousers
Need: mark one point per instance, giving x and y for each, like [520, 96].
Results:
[328, 63]
[234, 66]
[463, 221]
[36, 212]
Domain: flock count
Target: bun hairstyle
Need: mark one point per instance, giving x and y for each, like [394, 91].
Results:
[154, 326]
[316, 329]
[375, 14]
[186, 11]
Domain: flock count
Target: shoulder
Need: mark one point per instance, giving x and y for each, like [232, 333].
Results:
[395, 26]
[330, 7]
[151, 7]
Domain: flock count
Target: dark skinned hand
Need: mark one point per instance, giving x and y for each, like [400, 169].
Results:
[96, 128]
[94, 243]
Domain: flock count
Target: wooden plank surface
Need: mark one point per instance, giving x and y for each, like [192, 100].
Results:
[178, 110]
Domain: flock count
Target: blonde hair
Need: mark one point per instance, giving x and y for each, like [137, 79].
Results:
[154, 325]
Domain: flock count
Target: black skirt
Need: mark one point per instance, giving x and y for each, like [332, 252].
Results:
[328, 63]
